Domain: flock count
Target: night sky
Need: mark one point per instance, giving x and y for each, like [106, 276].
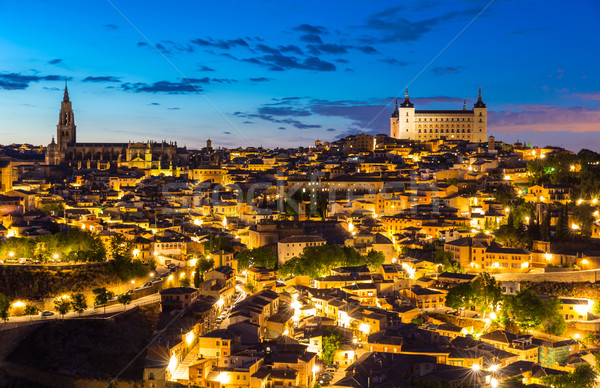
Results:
[286, 73]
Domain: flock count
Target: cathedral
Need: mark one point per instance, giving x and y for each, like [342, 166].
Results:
[423, 125]
[66, 151]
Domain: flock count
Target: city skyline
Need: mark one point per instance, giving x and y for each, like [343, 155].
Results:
[282, 75]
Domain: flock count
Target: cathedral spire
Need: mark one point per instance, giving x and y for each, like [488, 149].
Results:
[66, 96]
[465, 105]
[479, 103]
[407, 103]
[396, 114]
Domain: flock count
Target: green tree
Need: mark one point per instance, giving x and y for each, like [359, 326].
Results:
[446, 262]
[102, 295]
[4, 306]
[375, 259]
[184, 282]
[583, 376]
[31, 309]
[62, 305]
[257, 257]
[531, 312]
[461, 295]
[331, 344]
[79, 303]
[545, 227]
[125, 299]
[563, 231]
[202, 266]
[488, 292]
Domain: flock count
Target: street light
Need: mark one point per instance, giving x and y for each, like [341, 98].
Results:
[11, 254]
[132, 283]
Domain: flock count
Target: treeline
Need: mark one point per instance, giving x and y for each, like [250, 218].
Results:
[74, 245]
[581, 170]
[35, 284]
[523, 311]
[319, 261]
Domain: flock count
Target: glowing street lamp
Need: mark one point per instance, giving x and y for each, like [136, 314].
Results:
[11, 254]
[55, 256]
[136, 252]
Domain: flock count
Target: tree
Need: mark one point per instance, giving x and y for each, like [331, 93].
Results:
[331, 344]
[102, 296]
[545, 227]
[124, 299]
[446, 262]
[461, 295]
[202, 266]
[257, 257]
[79, 303]
[4, 306]
[62, 305]
[488, 292]
[31, 309]
[185, 282]
[563, 231]
[531, 312]
[583, 376]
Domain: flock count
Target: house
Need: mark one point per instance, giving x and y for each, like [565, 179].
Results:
[177, 298]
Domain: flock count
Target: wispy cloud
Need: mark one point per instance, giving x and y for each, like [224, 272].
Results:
[17, 81]
[106, 78]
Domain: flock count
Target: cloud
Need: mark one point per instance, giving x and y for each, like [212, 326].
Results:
[206, 68]
[331, 129]
[222, 44]
[367, 49]
[111, 26]
[441, 70]
[393, 61]
[174, 108]
[585, 96]
[328, 48]
[311, 38]
[164, 87]
[282, 111]
[55, 61]
[107, 78]
[154, 103]
[269, 117]
[393, 27]
[285, 62]
[290, 48]
[307, 28]
[259, 79]
[17, 81]
[281, 128]
[227, 132]
[549, 118]
[223, 80]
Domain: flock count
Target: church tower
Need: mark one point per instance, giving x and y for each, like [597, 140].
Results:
[406, 119]
[394, 128]
[66, 129]
[480, 121]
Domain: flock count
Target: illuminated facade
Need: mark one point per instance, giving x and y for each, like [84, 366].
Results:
[423, 125]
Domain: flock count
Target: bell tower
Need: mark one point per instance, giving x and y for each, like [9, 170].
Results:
[66, 129]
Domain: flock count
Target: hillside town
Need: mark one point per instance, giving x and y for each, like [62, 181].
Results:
[369, 261]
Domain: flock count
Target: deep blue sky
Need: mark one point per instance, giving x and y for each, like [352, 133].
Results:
[288, 73]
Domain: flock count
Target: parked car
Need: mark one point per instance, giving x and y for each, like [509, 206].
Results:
[147, 284]
[449, 312]
[46, 313]
[476, 316]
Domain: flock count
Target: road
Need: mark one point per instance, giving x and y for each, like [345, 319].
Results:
[241, 297]
[90, 312]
